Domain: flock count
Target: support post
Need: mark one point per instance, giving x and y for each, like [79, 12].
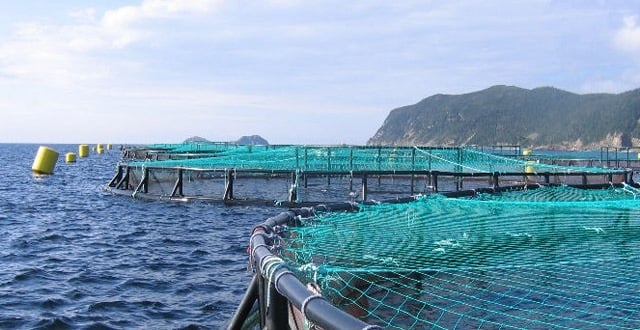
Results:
[124, 180]
[177, 187]
[364, 187]
[293, 191]
[143, 184]
[244, 309]
[116, 178]
[278, 310]
[351, 159]
[228, 189]
[413, 169]
[328, 166]
[434, 181]
[350, 181]
[262, 299]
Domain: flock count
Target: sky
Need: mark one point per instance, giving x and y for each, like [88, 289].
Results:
[291, 71]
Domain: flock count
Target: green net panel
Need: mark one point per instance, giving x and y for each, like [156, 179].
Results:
[552, 257]
[310, 158]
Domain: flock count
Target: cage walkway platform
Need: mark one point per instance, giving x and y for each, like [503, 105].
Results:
[299, 175]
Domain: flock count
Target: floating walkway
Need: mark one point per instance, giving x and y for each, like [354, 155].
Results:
[307, 175]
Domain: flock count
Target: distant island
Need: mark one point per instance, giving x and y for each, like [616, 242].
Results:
[244, 140]
[544, 117]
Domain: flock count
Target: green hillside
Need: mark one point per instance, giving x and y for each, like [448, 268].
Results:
[538, 118]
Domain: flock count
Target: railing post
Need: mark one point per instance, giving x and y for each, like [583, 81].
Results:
[277, 310]
[293, 191]
[177, 188]
[228, 189]
[364, 187]
[434, 181]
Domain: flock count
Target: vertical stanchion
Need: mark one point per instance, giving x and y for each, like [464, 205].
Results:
[244, 309]
[351, 159]
[262, 301]
[293, 191]
[364, 187]
[328, 166]
[278, 311]
[351, 181]
[413, 170]
[177, 188]
[228, 189]
[434, 181]
[116, 178]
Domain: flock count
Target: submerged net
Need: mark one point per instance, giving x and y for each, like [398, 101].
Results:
[354, 158]
[552, 257]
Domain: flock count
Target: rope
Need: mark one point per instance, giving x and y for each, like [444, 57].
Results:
[306, 301]
[277, 279]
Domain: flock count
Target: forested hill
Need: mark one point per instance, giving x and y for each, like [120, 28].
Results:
[543, 117]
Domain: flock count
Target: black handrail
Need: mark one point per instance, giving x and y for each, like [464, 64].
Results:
[281, 284]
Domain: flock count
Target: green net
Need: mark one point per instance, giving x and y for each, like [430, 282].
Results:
[552, 257]
[354, 158]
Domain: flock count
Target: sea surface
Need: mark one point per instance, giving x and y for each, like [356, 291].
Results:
[73, 256]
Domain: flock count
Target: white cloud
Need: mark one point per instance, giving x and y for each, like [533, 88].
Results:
[627, 38]
[241, 65]
[126, 25]
[72, 54]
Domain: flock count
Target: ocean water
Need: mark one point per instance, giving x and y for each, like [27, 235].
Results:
[73, 256]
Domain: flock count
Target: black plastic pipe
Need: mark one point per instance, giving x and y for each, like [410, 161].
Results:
[246, 305]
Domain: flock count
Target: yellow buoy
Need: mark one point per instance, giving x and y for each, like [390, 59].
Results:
[529, 169]
[45, 160]
[99, 150]
[526, 152]
[83, 150]
[108, 146]
[70, 157]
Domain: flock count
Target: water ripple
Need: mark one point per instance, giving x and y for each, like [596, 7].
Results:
[74, 257]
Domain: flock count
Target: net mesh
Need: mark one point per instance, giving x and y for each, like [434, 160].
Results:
[354, 158]
[552, 257]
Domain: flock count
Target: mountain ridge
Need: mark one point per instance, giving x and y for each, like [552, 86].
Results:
[542, 117]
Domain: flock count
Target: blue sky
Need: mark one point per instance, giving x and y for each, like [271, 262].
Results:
[292, 71]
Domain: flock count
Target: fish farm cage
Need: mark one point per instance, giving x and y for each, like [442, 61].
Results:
[544, 257]
[307, 175]
[419, 237]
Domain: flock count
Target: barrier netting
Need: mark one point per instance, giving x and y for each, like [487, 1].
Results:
[310, 158]
[552, 257]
